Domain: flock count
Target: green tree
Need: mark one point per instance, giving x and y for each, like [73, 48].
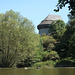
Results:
[48, 52]
[18, 40]
[34, 53]
[71, 37]
[62, 3]
[51, 56]
[71, 16]
[66, 46]
[57, 29]
[48, 43]
[72, 46]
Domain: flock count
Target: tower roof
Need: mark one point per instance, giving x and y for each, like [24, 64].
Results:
[53, 17]
[48, 20]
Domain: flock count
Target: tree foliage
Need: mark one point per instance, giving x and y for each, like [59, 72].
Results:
[57, 28]
[62, 3]
[48, 53]
[51, 56]
[66, 46]
[17, 38]
[48, 43]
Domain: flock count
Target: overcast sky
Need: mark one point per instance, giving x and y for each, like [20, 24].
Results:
[34, 10]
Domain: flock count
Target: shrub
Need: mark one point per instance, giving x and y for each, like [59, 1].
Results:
[53, 55]
[45, 64]
[50, 56]
[66, 62]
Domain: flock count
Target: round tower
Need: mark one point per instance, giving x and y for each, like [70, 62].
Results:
[43, 27]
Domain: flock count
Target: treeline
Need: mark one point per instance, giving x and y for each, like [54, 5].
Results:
[59, 45]
[20, 46]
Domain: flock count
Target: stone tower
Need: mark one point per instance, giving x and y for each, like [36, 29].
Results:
[43, 27]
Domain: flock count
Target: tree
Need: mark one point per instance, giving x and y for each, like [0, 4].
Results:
[17, 39]
[57, 29]
[33, 52]
[48, 53]
[71, 37]
[52, 55]
[48, 43]
[71, 16]
[62, 3]
[72, 46]
[66, 46]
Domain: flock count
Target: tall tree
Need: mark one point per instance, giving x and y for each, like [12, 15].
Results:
[66, 47]
[17, 38]
[48, 52]
[57, 28]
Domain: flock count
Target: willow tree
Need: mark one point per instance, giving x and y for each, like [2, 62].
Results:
[17, 38]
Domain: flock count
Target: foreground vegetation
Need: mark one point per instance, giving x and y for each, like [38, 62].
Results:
[20, 46]
[18, 41]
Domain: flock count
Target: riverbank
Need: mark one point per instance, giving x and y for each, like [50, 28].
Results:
[40, 68]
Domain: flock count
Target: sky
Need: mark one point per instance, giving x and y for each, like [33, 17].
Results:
[34, 10]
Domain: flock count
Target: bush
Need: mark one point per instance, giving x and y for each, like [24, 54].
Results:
[53, 55]
[45, 64]
[66, 62]
[50, 56]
